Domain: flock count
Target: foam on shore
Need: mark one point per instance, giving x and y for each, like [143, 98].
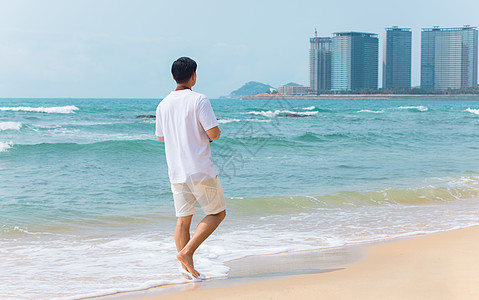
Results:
[438, 266]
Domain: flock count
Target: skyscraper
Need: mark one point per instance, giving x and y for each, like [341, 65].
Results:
[354, 61]
[448, 58]
[320, 63]
[397, 58]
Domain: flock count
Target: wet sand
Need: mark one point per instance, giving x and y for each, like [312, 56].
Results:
[438, 266]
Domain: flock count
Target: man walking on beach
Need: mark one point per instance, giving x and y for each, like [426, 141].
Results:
[186, 123]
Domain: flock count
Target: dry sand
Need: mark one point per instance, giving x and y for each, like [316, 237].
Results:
[438, 266]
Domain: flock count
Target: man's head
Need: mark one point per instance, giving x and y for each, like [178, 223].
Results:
[183, 69]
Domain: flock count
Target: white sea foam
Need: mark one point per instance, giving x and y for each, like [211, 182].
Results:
[257, 120]
[17, 228]
[226, 121]
[303, 113]
[419, 108]
[4, 146]
[372, 111]
[128, 263]
[309, 107]
[271, 114]
[474, 111]
[268, 113]
[147, 121]
[10, 125]
[59, 109]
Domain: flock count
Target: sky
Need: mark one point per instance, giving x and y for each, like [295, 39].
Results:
[124, 49]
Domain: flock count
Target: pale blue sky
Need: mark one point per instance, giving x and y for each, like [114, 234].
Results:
[114, 48]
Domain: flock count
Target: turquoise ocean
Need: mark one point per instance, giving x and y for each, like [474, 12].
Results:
[86, 207]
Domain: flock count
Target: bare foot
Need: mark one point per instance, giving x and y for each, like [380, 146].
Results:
[187, 261]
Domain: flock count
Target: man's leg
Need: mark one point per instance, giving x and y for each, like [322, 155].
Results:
[203, 231]
[182, 233]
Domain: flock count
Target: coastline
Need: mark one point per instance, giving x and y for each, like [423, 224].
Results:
[403, 97]
[439, 266]
[260, 268]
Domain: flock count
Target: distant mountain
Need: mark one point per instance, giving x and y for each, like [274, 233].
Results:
[292, 84]
[250, 88]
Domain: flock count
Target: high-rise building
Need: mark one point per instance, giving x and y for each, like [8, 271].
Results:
[320, 63]
[354, 63]
[397, 58]
[448, 58]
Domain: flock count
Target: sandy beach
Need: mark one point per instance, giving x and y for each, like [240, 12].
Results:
[438, 266]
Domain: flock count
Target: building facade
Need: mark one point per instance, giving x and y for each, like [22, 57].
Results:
[320, 64]
[397, 52]
[293, 90]
[448, 58]
[354, 63]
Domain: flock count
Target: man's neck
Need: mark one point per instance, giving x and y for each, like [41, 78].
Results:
[181, 87]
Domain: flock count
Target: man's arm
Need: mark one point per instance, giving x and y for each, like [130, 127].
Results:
[161, 139]
[213, 133]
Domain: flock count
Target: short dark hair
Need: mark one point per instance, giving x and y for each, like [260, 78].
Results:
[182, 69]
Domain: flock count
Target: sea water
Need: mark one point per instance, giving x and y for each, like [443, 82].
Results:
[86, 207]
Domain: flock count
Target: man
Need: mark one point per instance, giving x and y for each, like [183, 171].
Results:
[186, 123]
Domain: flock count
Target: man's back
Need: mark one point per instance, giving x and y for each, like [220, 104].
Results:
[183, 118]
[185, 122]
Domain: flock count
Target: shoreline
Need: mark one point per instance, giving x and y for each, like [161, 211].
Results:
[401, 268]
[438, 266]
[399, 97]
[261, 268]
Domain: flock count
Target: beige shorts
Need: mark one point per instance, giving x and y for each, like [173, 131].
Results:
[208, 193]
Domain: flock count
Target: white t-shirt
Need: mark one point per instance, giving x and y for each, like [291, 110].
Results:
[182, 118]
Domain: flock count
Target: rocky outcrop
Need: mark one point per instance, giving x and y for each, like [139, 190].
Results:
[295, 116]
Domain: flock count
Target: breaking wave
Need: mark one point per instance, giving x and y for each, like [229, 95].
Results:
[372, 111]
[69, 109]
[272, 114]
[474, 111]
[415, 108]
[463, 189]
[226, 121]
[5, 146]
[10, 125]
